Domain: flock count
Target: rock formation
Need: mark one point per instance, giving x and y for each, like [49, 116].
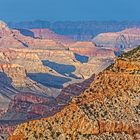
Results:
[108, 109]
[14, 39]
[33, 71]
[48, 34]
[125, 39]
[83, 48]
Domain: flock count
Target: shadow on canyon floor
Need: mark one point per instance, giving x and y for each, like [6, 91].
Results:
[81, 58]
[49, 80]
[5, 80]
[26, 32]
[63, 69]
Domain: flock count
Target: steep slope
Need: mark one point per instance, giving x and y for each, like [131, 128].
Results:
[14, 83]
[108, 109]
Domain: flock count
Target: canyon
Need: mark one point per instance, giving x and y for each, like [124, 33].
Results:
[37, 74]
[107, 109]
[56, 84]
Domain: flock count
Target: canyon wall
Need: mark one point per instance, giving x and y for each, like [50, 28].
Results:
[108, 109]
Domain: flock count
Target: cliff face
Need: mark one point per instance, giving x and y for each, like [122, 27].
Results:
[48, 34]
[108, 109]
[24, 57]
[83, 48]
[45, 39]
[14, 71]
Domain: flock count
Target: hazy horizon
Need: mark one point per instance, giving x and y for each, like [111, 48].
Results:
[53, 21]
[74, 10]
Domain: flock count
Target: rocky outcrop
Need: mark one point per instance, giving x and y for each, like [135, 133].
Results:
[31, 106]
[108, 109]
[26, 58]
[80, 47]
[14, 71]
[36, 43]
[7, 37]
[29, 68]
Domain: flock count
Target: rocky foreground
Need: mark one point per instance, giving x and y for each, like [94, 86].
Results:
[108, 109]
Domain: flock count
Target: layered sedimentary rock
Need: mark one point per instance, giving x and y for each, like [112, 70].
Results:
[7, 37]
[19, 69]
[14, 71]
[4, 30]
[125, 39]
[90, 49]
[28, 106]
[83, 48]
[48, 34]
[94, 65]
[37, 43]
[108, 109]
[14, 39]
[24, 57]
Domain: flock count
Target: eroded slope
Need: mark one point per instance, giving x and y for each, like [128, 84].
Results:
[108, 109]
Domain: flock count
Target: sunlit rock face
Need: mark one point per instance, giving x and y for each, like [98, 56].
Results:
[107, 109]
[39, 76]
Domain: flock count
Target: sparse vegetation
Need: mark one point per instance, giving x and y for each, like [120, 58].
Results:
[108, 109]
[135, 53]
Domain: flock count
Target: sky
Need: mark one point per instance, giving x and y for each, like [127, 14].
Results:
[64, 10]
